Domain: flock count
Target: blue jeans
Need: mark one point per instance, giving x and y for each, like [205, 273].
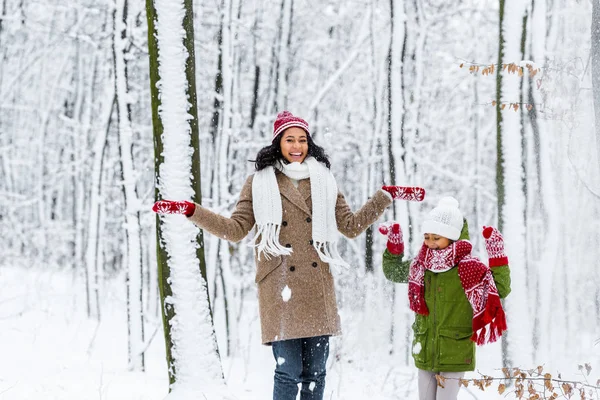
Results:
[300, 361]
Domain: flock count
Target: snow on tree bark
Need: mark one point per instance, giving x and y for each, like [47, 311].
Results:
[192, 355]
[595, 29]
[135, 317]
[517, 343]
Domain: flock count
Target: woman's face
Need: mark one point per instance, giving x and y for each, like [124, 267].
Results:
[436, 242]
[294, 144]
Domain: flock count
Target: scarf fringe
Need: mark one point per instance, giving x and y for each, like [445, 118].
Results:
[269, 241]
[492, 317]
[328, 253]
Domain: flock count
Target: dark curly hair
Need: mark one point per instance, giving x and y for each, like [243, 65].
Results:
[271, 153]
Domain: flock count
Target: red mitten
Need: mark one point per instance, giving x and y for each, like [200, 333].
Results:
[494, 244]
[411, 193]
[395, 243]
[174, 207]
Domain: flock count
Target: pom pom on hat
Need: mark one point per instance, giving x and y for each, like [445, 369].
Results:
[286, 119]
[445, 219]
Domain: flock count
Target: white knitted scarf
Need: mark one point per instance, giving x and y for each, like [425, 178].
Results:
[266, 202]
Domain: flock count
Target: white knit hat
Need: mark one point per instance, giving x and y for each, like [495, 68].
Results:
[445, 220]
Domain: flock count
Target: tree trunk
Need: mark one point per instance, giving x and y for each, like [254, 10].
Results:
[285, 30]
[596, 69]
[133, 252]
[516, 343]
[93, 256]
[193, 360]
[396, 152]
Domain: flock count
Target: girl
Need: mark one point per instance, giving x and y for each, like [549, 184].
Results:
[293, 201]
[455, 297]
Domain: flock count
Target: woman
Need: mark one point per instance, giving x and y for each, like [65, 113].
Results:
[294, 202]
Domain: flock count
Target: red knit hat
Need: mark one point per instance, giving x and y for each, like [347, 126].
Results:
[286, 119]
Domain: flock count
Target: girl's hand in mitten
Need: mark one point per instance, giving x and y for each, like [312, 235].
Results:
[494, 244]
[392, 230]
[411, 193]
[174, 207]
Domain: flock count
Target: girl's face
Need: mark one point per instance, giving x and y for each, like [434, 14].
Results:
[436, 242]
[294, 144]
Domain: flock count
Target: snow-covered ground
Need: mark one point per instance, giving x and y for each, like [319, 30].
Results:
[51, 350]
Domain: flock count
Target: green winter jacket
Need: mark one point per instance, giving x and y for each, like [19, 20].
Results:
[442, 339]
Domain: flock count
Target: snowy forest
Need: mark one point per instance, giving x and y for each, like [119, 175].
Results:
[494, 102]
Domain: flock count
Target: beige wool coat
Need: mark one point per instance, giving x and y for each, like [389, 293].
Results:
[311, 310]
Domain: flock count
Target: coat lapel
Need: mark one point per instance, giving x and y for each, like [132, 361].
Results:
[304, 189]
[289, 191]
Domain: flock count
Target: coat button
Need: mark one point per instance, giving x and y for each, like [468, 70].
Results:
[315, 264]
[288, 245]
[284, 223]
[292, 268]
[308, 219]
[310, 242]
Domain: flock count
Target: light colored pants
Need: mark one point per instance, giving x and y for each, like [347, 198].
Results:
[429, 389]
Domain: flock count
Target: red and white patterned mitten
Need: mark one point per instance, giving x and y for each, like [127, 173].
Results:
[494, 244]
[411, 193]
[174, 207]
[392, 230]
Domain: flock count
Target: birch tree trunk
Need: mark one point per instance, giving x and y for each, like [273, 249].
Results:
[596, 69]
[396, 151]
[194, 365]
[285, 30]
[543, 207]
[93, 254]
[516, 343]
[221, 174]
[133, 254]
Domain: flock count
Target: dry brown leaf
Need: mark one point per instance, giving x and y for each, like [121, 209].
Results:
[506, 372]
[479, 383]
[548, 382]
[494, 103]
[440, 380]
[463, 382]
[461, 65]
[501, 388]
[504, 106]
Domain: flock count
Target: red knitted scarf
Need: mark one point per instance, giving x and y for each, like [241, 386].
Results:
[476, 279]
